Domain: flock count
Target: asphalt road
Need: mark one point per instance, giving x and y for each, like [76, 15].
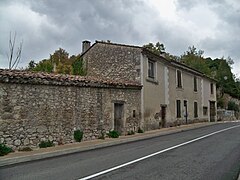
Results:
[216, 156]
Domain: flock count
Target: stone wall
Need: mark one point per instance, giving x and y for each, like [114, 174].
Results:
[31, 113]
[225, 115]
[118, 62]
[226, 98]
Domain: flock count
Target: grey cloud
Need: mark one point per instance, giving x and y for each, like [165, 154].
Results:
[186, 4]
[71, 22]
[92, 18]
[61, 23]
[226, 40]
[189, 4]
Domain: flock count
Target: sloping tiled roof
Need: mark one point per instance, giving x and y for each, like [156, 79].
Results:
[27, 77]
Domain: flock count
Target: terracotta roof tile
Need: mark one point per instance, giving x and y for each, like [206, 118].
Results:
[28, 77]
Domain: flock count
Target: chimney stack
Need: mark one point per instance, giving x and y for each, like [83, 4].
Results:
[85, 46]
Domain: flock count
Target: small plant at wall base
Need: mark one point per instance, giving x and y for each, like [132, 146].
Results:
[102, 136]
[25, 149]
[131, 132]
[113, 134]
[140, 130]
[78, 135]
[45, 144]
[4, 150]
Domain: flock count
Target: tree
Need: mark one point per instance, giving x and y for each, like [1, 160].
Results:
[44, 66]
[158, 48]
[31, 65]
[194, 59]
[13, 61]
[59, 56]
[59, 62]
[77, 67]
[225, 77]
[230, 61]
[233, 106]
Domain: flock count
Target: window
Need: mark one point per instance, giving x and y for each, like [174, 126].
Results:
[134, 113]
[195, 109]
[178, 108]
[179, 79]
[205, 110]
[195, 83]
[151, 69]
[211, 88]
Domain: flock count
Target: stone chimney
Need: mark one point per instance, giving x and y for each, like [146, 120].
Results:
[85, 45]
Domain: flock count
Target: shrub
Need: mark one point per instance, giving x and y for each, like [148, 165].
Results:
[45, 144]
[4, 150]
[25, 149]
[113, 134]
[78, 135]
[233, 106]
[220, 103]
[102, 136]
[131, 132]
[140, 130]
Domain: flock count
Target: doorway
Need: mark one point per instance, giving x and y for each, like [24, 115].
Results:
[212, 111]
[118, 117]
[163, 115]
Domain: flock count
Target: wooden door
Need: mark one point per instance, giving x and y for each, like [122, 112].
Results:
[212, 111]
[163, 116]
[118, 117]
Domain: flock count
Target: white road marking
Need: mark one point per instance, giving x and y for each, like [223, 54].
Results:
[154, 154]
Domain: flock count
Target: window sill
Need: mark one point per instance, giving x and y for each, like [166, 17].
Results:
[179, 88]
[152, 80]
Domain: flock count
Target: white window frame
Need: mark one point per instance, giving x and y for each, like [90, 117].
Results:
[195, 90]
[154, 69]
[177, 78]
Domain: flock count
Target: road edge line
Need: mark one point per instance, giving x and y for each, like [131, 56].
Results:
[154, 154]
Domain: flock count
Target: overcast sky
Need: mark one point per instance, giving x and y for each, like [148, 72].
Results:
[46, 25]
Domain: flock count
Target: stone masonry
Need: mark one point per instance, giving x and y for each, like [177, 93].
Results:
[35, 107]
[112, 61]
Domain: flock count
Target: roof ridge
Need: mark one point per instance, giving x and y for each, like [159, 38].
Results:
[117, 44]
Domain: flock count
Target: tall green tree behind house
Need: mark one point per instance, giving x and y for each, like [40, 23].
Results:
[43, 66]
[194, 59]
[225, 77]
[158, 48]
[59, 56]
[78, 66]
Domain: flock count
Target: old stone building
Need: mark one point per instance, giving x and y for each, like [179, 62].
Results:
[172, 92]
[37, 106]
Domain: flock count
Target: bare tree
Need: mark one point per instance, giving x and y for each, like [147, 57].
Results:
[13, 60]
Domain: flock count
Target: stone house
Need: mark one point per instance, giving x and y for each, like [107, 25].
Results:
[35, 107]
[172, 93]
